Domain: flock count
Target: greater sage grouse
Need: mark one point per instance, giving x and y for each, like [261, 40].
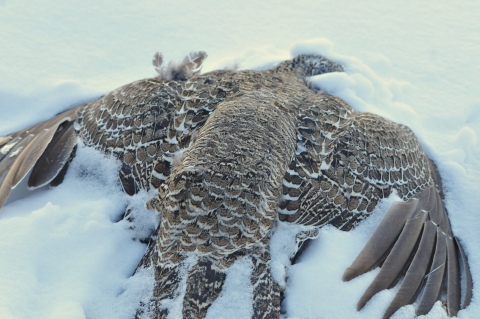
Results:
[231, 154]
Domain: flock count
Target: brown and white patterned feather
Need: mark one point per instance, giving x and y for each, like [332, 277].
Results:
[233, 153]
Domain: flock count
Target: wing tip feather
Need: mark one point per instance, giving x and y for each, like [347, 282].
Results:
[442, 264]
[29, 146]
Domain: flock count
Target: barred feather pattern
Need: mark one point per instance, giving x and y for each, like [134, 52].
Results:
[346, 162]
[231, 152]
[147, 123]
[232, 155]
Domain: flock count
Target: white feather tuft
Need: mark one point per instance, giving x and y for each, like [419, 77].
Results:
[180, 71]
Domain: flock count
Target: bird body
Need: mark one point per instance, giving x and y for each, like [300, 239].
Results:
[231, 154]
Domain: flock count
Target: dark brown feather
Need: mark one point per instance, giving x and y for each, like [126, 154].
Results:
[55, 156]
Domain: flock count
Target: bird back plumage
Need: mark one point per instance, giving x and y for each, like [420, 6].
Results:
[233, 153]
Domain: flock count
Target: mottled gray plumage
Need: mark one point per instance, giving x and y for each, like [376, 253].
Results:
[232, 153]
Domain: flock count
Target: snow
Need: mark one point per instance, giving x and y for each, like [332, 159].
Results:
[66, 248]
[237, 293]
[65, 254]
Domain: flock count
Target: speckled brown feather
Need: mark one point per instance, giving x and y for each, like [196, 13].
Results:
[231, 153]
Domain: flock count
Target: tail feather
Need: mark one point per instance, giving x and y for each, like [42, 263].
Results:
[201, 287]
[204, 284]
[266, 293]
[167, 280]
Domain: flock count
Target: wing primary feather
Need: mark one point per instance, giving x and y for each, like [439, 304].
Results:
[416, 272]
[61, 175]
[4, 140]
[445, 223]
[436, 178]
[29, 157]
[6, 174]
[25, 148]
[467, 277]
[12, 153]
[453, 279]
[397, 258]
[435, 276]
[7, 148]
[427, 199]
[382, 239]
[439, 215]
[55, 156]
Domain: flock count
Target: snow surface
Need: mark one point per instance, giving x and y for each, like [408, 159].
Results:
[65, 254]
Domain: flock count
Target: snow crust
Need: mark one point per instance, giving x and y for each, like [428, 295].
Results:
[65, 252]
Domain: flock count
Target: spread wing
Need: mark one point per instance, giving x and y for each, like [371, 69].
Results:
[44, 149]
[132, 123]
[148, 124]
[345, 163]
[145, 124]
[415, 240]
